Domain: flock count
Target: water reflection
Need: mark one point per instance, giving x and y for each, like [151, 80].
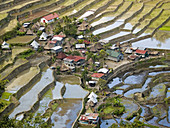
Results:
[152, 43]
[28, 100]
[66, 113]
[107, 28]
[74, 91]
[107, 123]
[102, 20]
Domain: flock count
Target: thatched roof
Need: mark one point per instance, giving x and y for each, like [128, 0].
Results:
[49, 46]
[29, 32]
[62, 34]
[98, 46]
[82, 27]
[64, 68]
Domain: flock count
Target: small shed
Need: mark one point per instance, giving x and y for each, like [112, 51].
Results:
[49, 18]
[103, 70]
[5, 45]
[35, 45]
[128, 50]
[29, 32]
[56, 49]
[114, 55]
[43, 36]
[143, 53]
[80, 46]
[97, 76]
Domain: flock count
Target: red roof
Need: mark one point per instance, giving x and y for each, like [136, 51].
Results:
[53, 41]
[75, 58]
[51, 16]
[59, 36]
[86, 42]
[61, 55]
[98, 75]
[141, 51]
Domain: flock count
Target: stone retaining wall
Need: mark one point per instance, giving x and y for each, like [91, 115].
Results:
[151, 21]
[121, 38]
[102, 8]
[161, 25]
[83, 10]
[6, 21]
[16, 71]
[112, 21]
[97, 18]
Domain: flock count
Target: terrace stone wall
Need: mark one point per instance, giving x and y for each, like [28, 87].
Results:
[22, 90]
[16, 71]
[102, 8]
[107, 12]
[151, 21]
[5, 21]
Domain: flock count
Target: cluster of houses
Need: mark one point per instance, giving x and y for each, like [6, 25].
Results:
[90, 118]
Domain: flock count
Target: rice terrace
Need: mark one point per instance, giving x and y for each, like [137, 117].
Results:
[84, 63]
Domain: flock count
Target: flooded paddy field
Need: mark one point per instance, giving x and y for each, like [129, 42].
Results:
[150, 99]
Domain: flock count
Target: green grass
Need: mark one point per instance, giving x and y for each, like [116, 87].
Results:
[21, 40]
[6, 95]
[3, 15]
[111, 109]
[165, 28]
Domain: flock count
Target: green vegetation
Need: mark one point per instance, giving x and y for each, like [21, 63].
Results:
[112, 106]
[6, 95]
[21, 40]
[3, 104]
[26, 54]
[165, 28]
[29, 122]
[135, 124]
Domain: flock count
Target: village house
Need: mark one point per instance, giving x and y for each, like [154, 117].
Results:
[35, 45]
[49, 18]
[56, 49]
[128, 50]
[5, 45]
[103, 70]
[80, 46]
[114, 55]
[61, 55]
[43, 36]
[133, 57]
[92, 99]
[59, 39]
[29, 32]
[142, 53]
[89, 118]
[73, 61]
[97, 76]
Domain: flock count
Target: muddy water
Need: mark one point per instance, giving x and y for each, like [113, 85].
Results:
[74, 91]
[44, 102]
[164, 122]
[66, 113]
[168, 93]
[130, 93]
[23, 78]
[102, 20]
[114, 82]
[157, 91]
[56, 92]
[117, 35]
[107, 123]
[130, 107]
[28, 100]
[107, 28]
[153, 43]
[135, 79]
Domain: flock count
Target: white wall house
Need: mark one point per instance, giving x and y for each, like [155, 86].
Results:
[49, 18]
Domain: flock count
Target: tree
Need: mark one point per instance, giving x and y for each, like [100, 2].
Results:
[58, 28]
[102, 55]
[84, 76]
